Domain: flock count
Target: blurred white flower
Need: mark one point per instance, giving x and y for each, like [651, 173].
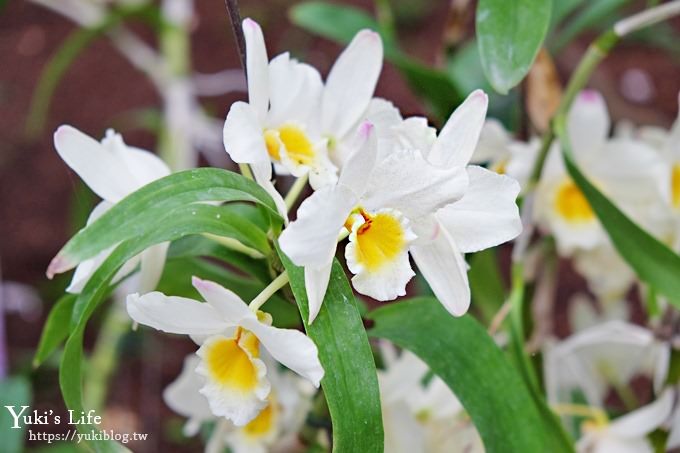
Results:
[505, 155]
[625, 170]
[113, 171]
[292, 118]
[422, 417]
[236, 379]
[583, 314]
[599, 358]
[667, 144]
[608, 275]
[420, 201]
[627, 434]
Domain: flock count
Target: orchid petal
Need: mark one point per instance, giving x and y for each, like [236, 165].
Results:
[444, 268]
[351, 83]
[487, 215]
[458, 138]
[175, 314]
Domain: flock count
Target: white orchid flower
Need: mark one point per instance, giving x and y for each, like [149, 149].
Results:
[230, 334]
[421, 417]
[627, 434]
[562, 209]
[608, 275]
[184, 397]
[583, 313]
[292, 118]
[667, 144]
[113, 171]
[505, 155]
[289, 402]
[419, 201]
[604, 356]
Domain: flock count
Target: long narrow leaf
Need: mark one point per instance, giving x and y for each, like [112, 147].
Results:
[460, 352]
[653, 261]
[350, 384]
[142, 210]
[56, 328]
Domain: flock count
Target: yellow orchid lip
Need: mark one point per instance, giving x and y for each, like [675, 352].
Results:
[675, 186]
[229, 360]
[298, 147]
[571, 204]
[265, 422]
[380, 238]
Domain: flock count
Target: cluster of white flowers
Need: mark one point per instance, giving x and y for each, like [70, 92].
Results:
[638, 169]
[395, 187]
[605, 358]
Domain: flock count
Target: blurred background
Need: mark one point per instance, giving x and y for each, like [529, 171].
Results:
[95, 65]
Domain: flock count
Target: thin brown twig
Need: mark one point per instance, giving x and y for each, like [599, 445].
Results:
[235, 18]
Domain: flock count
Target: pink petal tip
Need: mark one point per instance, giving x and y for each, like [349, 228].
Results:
[248, 22]
[366, 129]
[589, 95]
[58, 265]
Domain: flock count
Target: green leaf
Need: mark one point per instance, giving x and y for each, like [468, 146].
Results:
[509, 34]
[340, 23]
[460, 352]
[14, 391]
[350, 384]
[333, 21]
[148, 206]
[561, 9]
[600, 14]
[486, 283]
[56, 328]
[653, 261]
[195, 246]
[176, 281]
[184, 220]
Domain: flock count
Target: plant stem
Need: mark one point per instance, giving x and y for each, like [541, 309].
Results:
[245, 171]
[516, 301]
[295, 190]
[234, 245]
[580, 410]
[175, 144]
[385, 19]
[596, 52]
[646, 18]
[276, 284]
[105, 356]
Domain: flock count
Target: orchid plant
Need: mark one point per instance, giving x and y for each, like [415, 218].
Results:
[342, 203]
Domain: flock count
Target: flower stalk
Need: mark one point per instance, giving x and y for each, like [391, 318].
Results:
[295, 190]
[276, 284]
